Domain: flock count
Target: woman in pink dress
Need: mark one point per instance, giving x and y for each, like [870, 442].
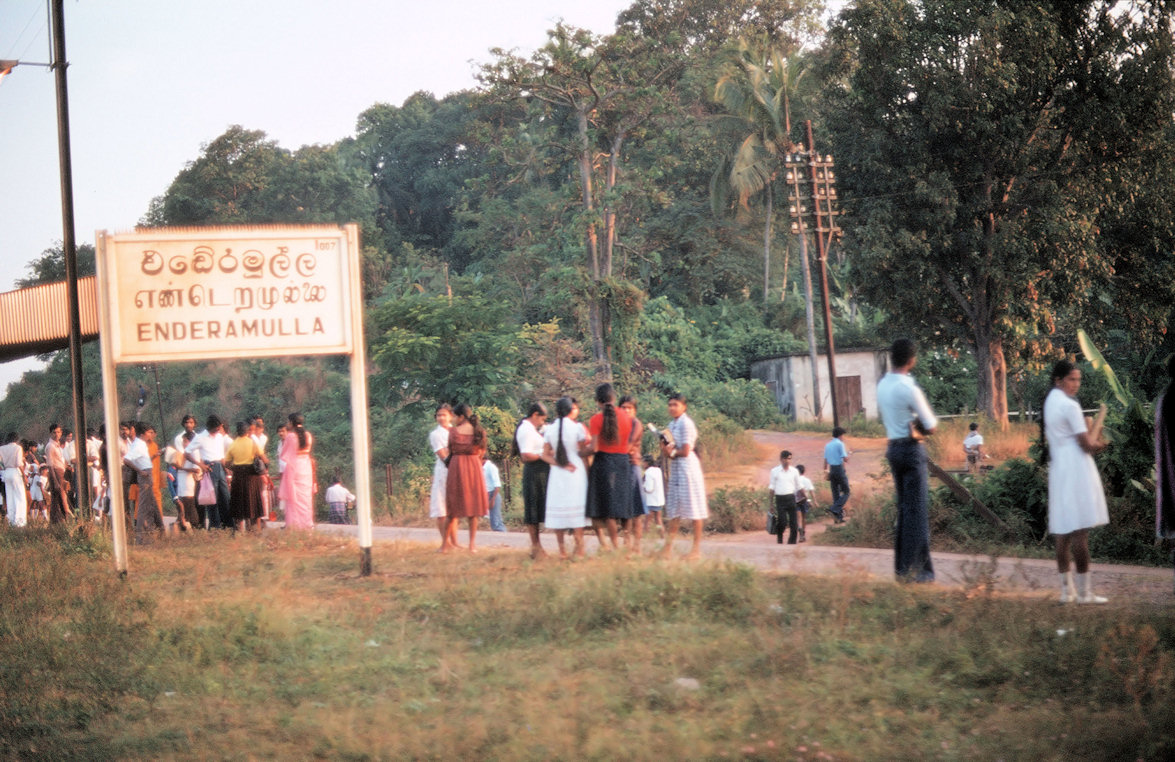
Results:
[299, 482]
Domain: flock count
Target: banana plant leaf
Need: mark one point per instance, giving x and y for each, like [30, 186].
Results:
[1099, 364]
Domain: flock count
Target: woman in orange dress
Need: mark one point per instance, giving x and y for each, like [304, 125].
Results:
[465, 491]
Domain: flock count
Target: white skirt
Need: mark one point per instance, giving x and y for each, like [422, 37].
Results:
[1076, 497]
[567, 497]
[436, 500]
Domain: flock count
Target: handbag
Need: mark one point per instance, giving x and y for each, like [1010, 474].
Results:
[206, 495]
[259, 466]
[772, 522]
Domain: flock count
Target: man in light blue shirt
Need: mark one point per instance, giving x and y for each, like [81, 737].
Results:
[836, 454]
[908, 418]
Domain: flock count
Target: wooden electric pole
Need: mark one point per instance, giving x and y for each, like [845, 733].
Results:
[814, 209]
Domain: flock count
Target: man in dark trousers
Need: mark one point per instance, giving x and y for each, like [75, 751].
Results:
[908, 419]
[836, 455]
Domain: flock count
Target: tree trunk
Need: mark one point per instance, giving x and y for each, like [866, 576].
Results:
[992, 368]
[596, 321]
[786, 259]
[811, 321]
[999, 384]
[767, 246]
[608, 206]
[592, 249]
[989, 355]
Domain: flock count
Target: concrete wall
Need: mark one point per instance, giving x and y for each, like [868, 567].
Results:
[789, 378]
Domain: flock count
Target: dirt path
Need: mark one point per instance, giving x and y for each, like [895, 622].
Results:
[866, 475]
[807, 447]
[1033, 578]
[1037, 578]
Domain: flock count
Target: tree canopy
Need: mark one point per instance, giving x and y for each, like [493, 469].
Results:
[1004, 166]
[982, 146]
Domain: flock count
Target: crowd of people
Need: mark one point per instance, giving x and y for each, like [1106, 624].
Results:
[575, 476]
[215, 481]
[38, 484]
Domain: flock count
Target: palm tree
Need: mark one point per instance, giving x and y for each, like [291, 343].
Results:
[756, 89]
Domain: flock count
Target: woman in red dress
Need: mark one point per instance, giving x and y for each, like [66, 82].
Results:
[465, 491]
[610, 488]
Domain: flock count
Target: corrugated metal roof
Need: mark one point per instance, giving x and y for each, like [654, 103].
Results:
[35, 320]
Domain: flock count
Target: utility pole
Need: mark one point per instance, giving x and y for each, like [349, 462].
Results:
[69, 246]
[799, 212]
[813, 207]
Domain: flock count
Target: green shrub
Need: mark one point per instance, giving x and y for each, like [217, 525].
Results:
[1130, 535]
[738, 509]
[722, 443]
[860, 426]
[747, 402]
[1017, 492]
[674, 340]
[738, 334]
[871, 527]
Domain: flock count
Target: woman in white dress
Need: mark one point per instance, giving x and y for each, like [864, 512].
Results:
[686, 499]
[1077, 501]
[567, 483]
[438, 442]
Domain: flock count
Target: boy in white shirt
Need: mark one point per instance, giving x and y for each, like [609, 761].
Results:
[973, 447]
[653, 487]
[493, 482]
[805, 499]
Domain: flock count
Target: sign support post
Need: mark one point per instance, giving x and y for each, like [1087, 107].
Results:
[114, 488]
[361, 436]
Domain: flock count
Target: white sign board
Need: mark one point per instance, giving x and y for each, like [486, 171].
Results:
[169, 294]
[228, 292]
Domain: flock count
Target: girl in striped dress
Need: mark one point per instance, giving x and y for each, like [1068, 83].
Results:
[687, 487]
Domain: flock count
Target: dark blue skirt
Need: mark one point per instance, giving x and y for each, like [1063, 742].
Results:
[610, 487]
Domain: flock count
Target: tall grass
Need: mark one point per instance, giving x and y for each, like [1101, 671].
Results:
[945, 447]
[723, 444]
[270, 646]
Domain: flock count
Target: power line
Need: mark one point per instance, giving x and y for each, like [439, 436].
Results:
[41, 30]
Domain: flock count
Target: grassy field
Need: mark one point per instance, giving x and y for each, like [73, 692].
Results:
[269, 646]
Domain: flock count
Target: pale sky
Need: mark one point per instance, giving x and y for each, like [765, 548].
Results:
[150, 81]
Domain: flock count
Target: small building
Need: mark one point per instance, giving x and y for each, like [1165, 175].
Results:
[789, 379]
